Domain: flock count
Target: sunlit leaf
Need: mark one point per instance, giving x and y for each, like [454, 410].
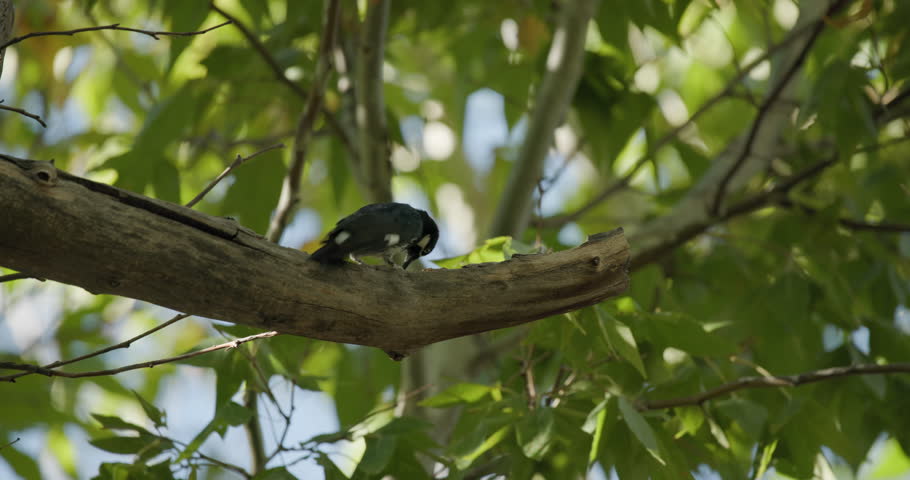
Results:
[641, 429]
[456, 394]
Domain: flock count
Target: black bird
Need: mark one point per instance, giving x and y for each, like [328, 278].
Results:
[380, 229]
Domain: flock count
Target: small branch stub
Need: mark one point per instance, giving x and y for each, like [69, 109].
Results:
[44, 173]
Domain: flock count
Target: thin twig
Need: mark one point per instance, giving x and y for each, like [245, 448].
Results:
[857, 225]
[236, 163]
[214, 461]
[881, 145]
[225, 465]
[775, 382]
[98, 373]
[113, 26]
[20, 111]
[290, 187]
[123, 344]
[557, 388]
[279, 443]
[10, 444]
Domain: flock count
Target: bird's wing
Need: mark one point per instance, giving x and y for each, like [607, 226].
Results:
[369, 230]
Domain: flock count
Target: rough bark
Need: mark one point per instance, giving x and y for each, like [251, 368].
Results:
[109, 241]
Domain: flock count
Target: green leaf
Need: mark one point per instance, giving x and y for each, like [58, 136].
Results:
[767, 455]
[331, 471]
[278, 473]
[230, 414]
[255, 191]
[594, 425]
[123, 445]
[891, 463]
[24, 465]
[380, 449]
[749, 416]
[496, 249]
[151, 411]
[534, 433]
[185, 17]
[234, 414]
[619, 337]
[682, 332]
[117, 423]
[641, 429]
[257, 9]
[457, 394]
[146, 163]
[361, 376]
[405, 425]
[231, 371]
[691, 418]
[464, 461]
[166, 182]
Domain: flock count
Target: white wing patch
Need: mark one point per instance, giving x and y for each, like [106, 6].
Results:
[424, 241]
[342, 237]
[391, 239]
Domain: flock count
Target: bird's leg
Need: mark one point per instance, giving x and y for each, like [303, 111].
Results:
[388, 259]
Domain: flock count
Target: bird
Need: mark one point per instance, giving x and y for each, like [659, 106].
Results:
[380, 229]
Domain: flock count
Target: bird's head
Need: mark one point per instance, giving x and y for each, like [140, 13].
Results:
[429, 236]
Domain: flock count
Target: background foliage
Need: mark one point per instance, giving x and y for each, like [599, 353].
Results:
[814, 275]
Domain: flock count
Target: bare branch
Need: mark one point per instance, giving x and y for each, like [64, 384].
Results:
[775, 382]
[99, 373]
[109, 240]
[290, 188]
[564, 68]
[236, 163]
[693, 212]
[114, 26]
[769, 101]
[667, 138]
[9, 444]
[749, 205]
[20, 111]
[123, 344]
[374, 163]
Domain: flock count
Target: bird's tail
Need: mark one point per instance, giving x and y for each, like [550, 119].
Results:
[328, 254]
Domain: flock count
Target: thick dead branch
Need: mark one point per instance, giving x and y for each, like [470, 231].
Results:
[106, 240]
